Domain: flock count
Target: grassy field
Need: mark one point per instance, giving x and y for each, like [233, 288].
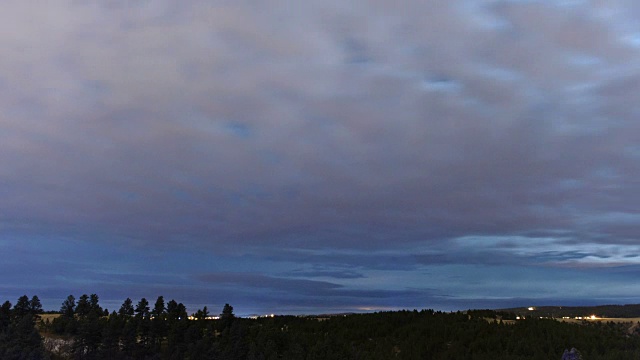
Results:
[49, 317]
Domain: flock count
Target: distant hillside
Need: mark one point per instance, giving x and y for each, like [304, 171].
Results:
[609, 311]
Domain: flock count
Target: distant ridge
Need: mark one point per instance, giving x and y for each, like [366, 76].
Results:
[607, 311]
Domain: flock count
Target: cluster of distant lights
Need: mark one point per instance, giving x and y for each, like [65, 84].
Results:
[218, 317]
[206, 318]
[592, 317]
[261, 316]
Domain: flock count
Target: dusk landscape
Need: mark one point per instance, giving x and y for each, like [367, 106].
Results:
[321, 157]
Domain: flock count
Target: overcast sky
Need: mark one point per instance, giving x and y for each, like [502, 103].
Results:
[321, 156]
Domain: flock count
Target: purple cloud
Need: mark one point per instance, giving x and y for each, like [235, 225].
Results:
[328, 143]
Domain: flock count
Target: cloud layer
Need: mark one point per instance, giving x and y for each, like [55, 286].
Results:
[368, 155]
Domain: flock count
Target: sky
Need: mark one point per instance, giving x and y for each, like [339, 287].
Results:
[317, 156]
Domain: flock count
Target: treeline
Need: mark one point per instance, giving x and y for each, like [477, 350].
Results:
[163, 331]
[19, 338]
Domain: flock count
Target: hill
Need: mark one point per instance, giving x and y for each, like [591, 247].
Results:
[606, 311]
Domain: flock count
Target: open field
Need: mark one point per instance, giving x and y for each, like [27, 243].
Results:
[49, 317]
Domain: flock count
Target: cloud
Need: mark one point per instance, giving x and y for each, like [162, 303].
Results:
[340, 274]
[353, 137]
[267, 282]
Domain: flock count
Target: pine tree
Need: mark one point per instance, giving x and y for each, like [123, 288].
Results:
[89, 336]
[83, 308]
[68, 307]
[35, 306]
[227, 316]
[142, 309]
[5, 316]
[158, 324]
[94, 305]
[22, 307]
[159, 310]
[142, 316]
[127, 308]
[20, 339]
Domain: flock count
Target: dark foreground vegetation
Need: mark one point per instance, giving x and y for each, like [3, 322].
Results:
[84, 330]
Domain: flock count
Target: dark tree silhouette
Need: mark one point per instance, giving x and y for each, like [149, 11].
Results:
[227, 316]
[22, 307]
[35, 306]
[94, 305]
[68, 307]
[142, 309]
[5, 316]
[158, 309]
[158, 324]
[127, 308]
[19, 339]
[83, 308]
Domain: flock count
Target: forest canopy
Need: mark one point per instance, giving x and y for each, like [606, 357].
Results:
[82, 329]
